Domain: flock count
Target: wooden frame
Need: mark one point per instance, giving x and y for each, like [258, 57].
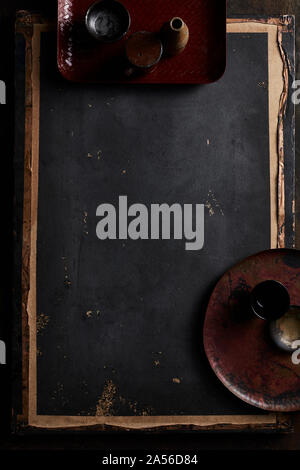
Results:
[31, 27]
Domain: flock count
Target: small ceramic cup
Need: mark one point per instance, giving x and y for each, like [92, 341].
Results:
[269, 300]
[107, 21]
[143, 50]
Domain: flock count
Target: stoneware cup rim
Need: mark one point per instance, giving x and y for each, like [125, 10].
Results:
[107, 2]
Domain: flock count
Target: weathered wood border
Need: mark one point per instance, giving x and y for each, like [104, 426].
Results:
[31, 27]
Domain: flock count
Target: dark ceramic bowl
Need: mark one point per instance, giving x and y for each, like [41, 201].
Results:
[107, 20]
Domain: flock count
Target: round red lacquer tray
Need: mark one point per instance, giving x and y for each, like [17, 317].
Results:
[238, 345]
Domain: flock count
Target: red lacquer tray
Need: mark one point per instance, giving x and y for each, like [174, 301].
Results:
[238, 345]
[83, 59]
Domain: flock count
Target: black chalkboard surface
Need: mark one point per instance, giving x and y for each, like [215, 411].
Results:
[112, 328]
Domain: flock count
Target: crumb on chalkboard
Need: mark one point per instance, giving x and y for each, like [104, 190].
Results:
[262, 85]
[41, 322]
[93, 313]
[105, 402]
[148, 411]
[176, 380]
[133, 406]
[213, 205]
[59, 393]
[210, 208]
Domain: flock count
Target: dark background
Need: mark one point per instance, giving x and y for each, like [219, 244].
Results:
[199, 441]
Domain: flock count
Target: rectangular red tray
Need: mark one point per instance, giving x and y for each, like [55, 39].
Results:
[83, 59]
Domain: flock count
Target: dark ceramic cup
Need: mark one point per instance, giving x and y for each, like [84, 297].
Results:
[269, 300]
[107, 20]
